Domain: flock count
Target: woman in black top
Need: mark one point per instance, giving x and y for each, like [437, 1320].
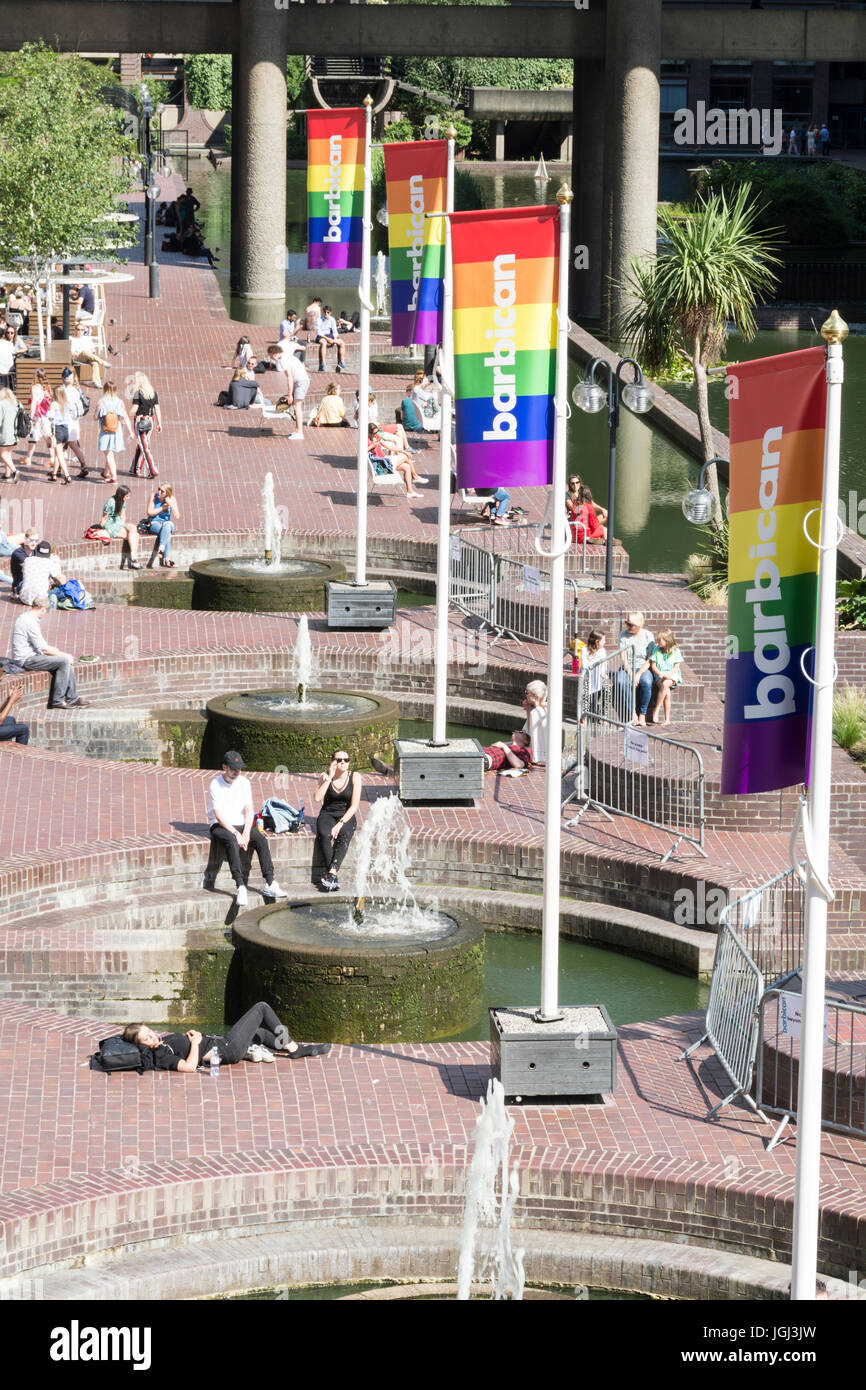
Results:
[339, 793]
[145, 409]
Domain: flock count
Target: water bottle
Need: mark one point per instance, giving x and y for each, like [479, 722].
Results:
[214, 1063]
[52, 599]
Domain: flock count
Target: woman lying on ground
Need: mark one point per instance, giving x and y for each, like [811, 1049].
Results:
[254, 1038]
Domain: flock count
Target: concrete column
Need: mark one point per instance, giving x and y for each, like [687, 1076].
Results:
[762, 86]
[238, 110]
[633, 154]
[565, 142]
[587, 157]
[821, 92]
[499, 140]
[259, 157]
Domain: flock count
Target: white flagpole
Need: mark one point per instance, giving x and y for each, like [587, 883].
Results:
[804, 1263]
[364, 375]
[443, 551]
[559, 541]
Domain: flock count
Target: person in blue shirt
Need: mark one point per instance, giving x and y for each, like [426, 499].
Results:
[328, 335]
[409, 414]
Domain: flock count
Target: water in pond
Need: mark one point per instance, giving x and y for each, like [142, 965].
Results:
[423, 728]
[631, 990]
[286, 705]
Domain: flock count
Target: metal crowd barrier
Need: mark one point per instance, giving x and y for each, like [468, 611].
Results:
[732, 1012]
[637, 773]
[760, 938]
[843, 1092]
[769, 921]
[509, 594]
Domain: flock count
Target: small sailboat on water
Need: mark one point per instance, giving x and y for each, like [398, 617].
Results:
[541, 173]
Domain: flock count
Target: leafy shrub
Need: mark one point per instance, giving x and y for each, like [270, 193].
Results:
[209, 80]
[708, 568]
[814, 203]
[849, 716]
[399, 130]
[851, 602]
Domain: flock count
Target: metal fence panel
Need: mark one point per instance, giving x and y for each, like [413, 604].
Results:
[732, 1015]
[843, 1092]
[769, 921]
[637, 773]
[510, 593]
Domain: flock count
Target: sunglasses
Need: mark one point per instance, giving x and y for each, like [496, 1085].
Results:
[340, 760]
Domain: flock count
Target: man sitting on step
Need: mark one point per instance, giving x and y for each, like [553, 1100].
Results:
[230, 817]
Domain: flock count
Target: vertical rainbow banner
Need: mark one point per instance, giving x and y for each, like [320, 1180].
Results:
[506, 288]
[415, 173]
[778, 410]
[335, 187]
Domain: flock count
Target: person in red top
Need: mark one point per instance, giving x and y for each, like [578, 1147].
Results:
[588, 523]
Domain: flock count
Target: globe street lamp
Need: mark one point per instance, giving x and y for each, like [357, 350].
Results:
[592, 398]
[699, 504]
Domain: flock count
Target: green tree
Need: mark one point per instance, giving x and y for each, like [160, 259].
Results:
[209, 80]
[61, 171]
[713, 268]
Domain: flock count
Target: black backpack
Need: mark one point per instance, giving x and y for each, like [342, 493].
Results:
[22, 423]
[116, 1055]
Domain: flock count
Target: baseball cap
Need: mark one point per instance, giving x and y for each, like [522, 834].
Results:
[233, 761]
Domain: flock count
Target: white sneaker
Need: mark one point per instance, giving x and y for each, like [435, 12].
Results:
[265, 1055]
[297, 435]
[241, 896]
[253, 1053]
[274, 891]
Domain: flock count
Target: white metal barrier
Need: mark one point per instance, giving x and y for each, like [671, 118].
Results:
[732, 1016]
[637, 773]
[507, 593]
[760, 937]
[843, 1098]
[769, 921]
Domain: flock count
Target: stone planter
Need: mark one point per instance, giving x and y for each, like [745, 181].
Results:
[575, 1056]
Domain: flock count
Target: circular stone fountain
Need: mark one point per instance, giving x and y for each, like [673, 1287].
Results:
[246, 585]
[273, 728]
[337, 983]
[266, 583]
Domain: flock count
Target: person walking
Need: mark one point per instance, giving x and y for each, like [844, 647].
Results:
[8, 434]
[39, 406]
[112, 415]
[31, 652]
[230, 819]
[62, 415]
[164, 515]
[297, 383]
[825, 139]
[75, 397]
[146, 410]
[339, 795]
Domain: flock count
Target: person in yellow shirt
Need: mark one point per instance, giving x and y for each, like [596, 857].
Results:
[332, 410]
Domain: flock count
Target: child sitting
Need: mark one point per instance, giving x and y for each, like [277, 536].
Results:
[595, 679]
[665, 661]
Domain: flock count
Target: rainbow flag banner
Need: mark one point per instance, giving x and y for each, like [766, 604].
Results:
[778, 409]
[506, 289]
[335, 187]
[415, 174]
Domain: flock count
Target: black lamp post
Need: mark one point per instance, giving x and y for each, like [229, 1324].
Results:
[150, 194]
[591, 398]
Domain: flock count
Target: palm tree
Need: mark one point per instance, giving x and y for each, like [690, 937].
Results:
[712, 269]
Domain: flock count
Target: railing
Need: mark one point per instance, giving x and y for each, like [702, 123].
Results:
[760, 937]
[769, 922]
[732, 1016]
[637, 773]
[822, 280]
[517, 543]
[844, 1078]
[507, 592]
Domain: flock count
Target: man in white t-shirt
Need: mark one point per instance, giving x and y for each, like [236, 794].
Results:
[230, 817]
[328, 335]
[297, 383]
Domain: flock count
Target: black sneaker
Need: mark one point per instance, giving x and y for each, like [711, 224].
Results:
[333, 885]
[325, 883]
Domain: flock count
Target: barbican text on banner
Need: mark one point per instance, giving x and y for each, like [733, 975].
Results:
[335, 187]
[506, 289]
[415, 175]
[777, 424]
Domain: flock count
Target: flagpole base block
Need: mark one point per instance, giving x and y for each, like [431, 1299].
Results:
[574, 1056]
[447, 773]
[361, 606]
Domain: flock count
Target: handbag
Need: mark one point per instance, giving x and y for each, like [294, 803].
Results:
[144, 526]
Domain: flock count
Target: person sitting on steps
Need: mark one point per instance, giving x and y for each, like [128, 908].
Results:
[230, 818]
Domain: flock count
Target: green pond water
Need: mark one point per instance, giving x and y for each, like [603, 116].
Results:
[632, 991]
[653, 475]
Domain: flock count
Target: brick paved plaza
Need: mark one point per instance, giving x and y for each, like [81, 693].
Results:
[100, 881]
